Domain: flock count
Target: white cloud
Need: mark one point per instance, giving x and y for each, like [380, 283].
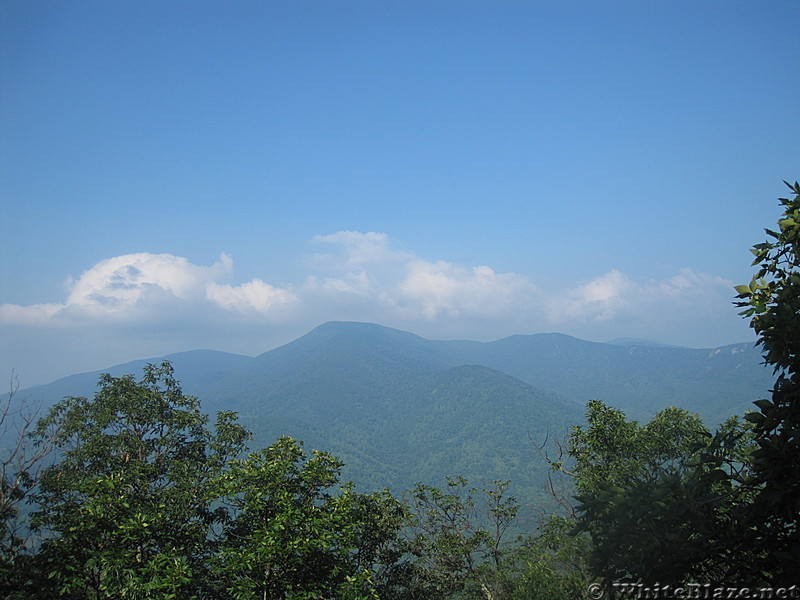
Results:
[255, 296]
[138, 287]
[356, 250]
[442, 288]
[614, 295]
[35, 314]
[689, 283]
[362, 272]
[358, 284]
[115, 285]
[599, 300]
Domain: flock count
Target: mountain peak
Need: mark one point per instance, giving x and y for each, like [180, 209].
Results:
[358, 333]
[331, 328]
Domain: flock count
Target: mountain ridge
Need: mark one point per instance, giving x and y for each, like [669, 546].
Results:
[579, 369]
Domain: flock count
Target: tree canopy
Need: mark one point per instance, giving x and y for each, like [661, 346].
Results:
[125, 511]
[660, 500]
[772, 303]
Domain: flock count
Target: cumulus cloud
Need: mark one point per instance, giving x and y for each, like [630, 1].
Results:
[363, 272]
[253, 296]
[613, 305]
[600, 299]
[116, 285]
[135, 287]
[442, 288]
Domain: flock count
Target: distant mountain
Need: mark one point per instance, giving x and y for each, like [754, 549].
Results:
[715, 383]
[194, 369]
[398, 408]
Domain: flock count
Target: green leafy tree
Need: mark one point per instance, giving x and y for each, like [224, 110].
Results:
[460, 543]
[126, 510]
[772, 303]
[660, 501]
[551, 565]
[295, 536]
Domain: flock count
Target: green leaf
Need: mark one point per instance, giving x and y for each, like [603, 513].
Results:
[764, 405]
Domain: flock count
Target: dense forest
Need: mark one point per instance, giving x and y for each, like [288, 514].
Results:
[136, 493]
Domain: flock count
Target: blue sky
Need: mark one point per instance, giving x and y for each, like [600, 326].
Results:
[227, 175]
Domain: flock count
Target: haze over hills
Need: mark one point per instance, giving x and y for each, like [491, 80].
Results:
[715, 383]
[398, 408]
[195, 368]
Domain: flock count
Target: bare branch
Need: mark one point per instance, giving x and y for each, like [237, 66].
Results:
[21, 459]
[561, 496]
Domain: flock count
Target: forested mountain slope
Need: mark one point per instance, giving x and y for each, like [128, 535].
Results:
[398, 408]
[395, 407]
[639, 379]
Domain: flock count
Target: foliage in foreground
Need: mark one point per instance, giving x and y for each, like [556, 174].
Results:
[661, 501]
[772, 302]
